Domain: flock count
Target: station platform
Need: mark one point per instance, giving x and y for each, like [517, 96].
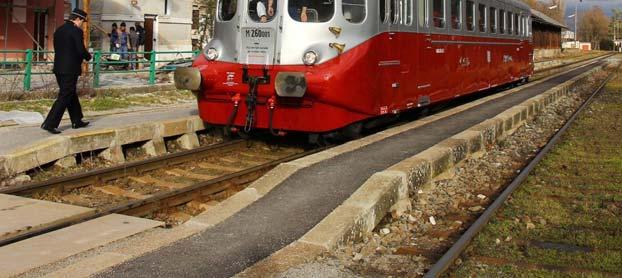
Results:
[23, 148]
[306, 197]
[20, 215]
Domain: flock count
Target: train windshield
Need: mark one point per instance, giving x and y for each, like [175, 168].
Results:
[227, 9]
[354, 10]
[311, 10]
[262, 10]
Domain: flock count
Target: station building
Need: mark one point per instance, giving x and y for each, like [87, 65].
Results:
[29, 24]
[547, 35]
[167, 23]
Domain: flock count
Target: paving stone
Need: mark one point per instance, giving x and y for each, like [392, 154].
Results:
[20, 215]
[44, 249]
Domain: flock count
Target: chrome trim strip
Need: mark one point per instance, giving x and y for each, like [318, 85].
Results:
[470, 42]
[389, 63]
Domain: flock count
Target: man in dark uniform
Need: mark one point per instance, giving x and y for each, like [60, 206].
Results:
[70, 51]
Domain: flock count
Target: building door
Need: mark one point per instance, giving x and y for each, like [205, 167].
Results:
[40, 33]
[151, 34]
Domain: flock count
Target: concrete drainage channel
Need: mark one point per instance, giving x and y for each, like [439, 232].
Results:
[389, 191]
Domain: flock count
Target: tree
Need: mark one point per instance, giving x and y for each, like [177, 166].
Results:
[615, 27]
[593, 26]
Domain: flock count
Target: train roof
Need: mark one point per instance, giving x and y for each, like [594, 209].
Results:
[516, 3]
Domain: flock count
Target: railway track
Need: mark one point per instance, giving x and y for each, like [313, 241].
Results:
[154, 186]
[456, 250]
[145, 188]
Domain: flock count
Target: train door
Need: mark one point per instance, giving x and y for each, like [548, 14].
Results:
[439, 41]
[425, 68]
[457, 54]
[390, 61]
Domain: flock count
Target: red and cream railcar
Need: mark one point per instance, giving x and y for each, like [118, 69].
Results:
[319, 66]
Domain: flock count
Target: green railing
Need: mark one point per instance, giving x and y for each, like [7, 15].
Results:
[100, 64]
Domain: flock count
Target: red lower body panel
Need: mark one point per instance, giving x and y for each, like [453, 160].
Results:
[381, 76]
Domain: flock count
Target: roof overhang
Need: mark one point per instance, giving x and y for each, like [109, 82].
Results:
[540, 17]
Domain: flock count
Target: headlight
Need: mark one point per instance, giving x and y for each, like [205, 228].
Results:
[211, 54]
[310, 58]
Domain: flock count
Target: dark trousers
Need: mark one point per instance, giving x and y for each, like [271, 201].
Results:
[67, 99]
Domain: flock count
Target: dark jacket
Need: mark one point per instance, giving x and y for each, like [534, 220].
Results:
[69, 49]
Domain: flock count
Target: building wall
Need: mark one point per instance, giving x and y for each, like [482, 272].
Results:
[18, 29]
[546, 36]
[172, 25]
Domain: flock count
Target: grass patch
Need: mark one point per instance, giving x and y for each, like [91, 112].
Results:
[573, 198]
[107, 101]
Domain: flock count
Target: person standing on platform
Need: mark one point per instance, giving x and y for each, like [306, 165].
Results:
[114, 37]
[133, 47]
[70, 52]
[123, 42]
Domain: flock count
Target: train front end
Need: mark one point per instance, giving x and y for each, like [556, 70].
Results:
[269, 67]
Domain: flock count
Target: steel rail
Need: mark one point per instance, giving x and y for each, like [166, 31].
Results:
[106, 174]
[560, 68]
[456, 250]
[169, 198]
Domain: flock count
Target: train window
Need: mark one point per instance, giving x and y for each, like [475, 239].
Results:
[470, 15]
[423, 14]
[481, 17]
[408, 12]
[501, 21]
[510, 27]
[493, 20]
[515, 24]
[311, 10]
[354, 10]
[394, 12]
[456, 14]
[226, 9]
[438, 13]
[262, 10]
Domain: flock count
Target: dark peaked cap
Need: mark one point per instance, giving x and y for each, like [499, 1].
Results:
[79, 13]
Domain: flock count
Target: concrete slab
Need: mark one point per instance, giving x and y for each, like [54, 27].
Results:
[41, 250]
[19, 215]
[27, 147]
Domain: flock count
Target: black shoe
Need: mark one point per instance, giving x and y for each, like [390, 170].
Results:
[79, 124]
[50, 130]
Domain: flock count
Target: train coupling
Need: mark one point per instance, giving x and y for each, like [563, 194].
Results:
[290, 84]
[188, 79]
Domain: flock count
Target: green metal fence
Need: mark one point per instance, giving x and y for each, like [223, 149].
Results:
[100, 64]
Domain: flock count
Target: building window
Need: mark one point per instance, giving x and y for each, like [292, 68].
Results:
[456, 14]
[438, 12]
[354, 10]
[470, 15]
[493, 20]
[481, 17]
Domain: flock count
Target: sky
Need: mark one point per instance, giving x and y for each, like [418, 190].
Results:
[606, 5]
